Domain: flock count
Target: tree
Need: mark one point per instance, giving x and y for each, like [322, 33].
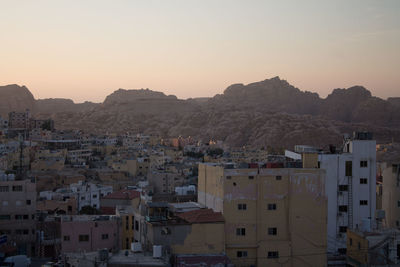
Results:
[89, 210]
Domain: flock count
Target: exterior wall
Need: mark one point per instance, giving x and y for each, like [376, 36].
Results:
[204, 238]
[391, 196]
[210, 186]
[201, 238]
[299, 216]
[357, 248]
[165, 182]
[335, 166]
[94, 229]
[66, 207]
[17, 214]
[127, 231]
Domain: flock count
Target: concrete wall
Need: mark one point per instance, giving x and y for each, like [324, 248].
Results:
[391, 196]
[95, 230]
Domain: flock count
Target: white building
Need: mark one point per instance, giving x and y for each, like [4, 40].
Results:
[86, 194]
[350, 186]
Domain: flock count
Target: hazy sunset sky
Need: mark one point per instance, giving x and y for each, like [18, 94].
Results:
[84, 50]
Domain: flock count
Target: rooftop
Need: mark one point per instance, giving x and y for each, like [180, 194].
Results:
[123, 194]
[201, 216]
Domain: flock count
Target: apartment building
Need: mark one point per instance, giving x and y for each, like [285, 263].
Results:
[273, 216]
[89, 233]
[17, 215]
[350, 187]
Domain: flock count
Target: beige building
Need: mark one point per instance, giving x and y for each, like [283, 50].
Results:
[391, 195]
[273, 217]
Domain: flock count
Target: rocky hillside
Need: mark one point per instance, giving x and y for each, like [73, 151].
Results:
[15, 98]
[267, 113]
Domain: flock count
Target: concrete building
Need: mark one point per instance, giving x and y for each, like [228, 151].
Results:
[350, 187]
[273, 216]
[89, 233]
[17, 215]
[19, 120]
[125, 197]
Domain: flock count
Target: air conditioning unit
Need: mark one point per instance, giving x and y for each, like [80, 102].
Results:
[136, 247]
[157, 251]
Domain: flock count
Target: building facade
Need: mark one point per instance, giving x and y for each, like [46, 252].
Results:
[273, 216]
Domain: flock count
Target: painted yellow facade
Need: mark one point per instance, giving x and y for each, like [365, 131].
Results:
[273, 217]
[127, 219]
[204, 238]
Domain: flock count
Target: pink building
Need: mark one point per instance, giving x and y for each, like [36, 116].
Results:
[89, 233]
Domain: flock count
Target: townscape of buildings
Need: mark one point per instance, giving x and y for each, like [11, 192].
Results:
[78, 199]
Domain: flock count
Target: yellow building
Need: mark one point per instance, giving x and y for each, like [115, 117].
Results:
[273, 217]
[372, 247]
[126, 213]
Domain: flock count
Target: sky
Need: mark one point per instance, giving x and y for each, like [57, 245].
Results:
[85, 50]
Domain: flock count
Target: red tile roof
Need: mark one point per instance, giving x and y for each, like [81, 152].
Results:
[123, 194]
[107, 210]
[201, 216]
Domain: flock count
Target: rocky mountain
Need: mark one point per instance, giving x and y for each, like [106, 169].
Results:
[55, 105]
[15, 98]
[266, 113]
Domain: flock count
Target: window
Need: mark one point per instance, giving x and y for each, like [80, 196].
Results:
[126, 223]
[26, 217]
[28, 202]
[363, 181]
[278, 178]
[273, 254]
[342, 229]
[136, 225]
[398, 203]
[5, 203]
[343, 187]
[4, 188]
[17, 188]
[351, 241]
[363, 202]
[69, 208]
[359, 245]
[66, 238]
[104, 236]
[241, 254]
[242, 207]
[349, 168]
[251, 177]
[272, 231]
[83, 238]
[94, 196]
[342, 251]
[363, 163]
[343, 208]
[19, 217]
[127, 243]
[133, 225]
[240, 231]
[271, 206]
[5, 217]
